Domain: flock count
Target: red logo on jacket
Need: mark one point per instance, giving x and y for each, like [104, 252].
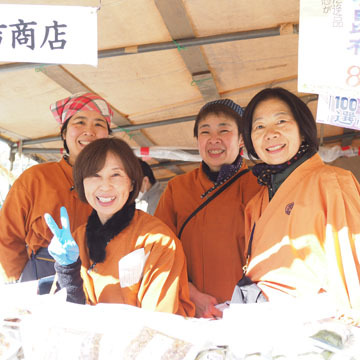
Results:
[288, 208]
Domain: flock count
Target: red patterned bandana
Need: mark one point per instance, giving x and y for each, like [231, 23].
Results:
[66, 108]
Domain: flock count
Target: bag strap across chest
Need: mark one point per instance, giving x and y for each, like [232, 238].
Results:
[212, 197]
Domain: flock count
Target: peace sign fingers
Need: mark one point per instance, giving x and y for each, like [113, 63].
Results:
[52, 225]
[64, 217]
[62, 247]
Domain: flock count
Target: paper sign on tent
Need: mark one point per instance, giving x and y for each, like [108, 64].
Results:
[48, 34]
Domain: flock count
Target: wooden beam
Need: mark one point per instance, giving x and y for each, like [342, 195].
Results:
[179, 26]
[11, 135]
[206, 84]
[175, 18]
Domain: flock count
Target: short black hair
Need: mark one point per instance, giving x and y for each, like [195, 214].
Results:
[218, 108]
[146, 169]
[301, 112]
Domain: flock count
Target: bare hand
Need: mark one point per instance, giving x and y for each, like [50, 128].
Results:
[204, 304]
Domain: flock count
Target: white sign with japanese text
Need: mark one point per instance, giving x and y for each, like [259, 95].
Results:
[48, 34]
[340, 111]
[329, 47]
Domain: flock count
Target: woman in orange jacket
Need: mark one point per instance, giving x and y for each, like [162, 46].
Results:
[23, 231]
[121, 255]
[306, 237]
[213, 239]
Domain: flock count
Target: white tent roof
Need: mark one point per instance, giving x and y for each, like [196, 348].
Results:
[170, 83]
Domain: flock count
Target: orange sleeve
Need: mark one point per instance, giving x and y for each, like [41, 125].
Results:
[13, 216]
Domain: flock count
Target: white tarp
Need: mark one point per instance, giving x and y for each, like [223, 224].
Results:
[290, 329]
[48, 34]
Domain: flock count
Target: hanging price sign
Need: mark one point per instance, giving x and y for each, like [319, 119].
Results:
[340, 111]
[329, 47]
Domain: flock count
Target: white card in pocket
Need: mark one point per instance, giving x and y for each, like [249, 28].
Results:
[131, 267]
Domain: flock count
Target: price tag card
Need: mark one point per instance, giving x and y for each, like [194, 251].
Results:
[340, 111]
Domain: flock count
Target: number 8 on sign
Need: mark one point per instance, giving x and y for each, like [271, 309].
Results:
[354, 76]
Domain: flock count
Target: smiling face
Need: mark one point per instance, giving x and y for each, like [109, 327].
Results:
[275, 133]
[219, 141]
[83, 128]
[108, 190]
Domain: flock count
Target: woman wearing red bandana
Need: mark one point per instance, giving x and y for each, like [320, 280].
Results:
[24, 234]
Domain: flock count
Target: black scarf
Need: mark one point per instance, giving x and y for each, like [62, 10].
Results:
[225, 173]
[264, 171]
[99, 235]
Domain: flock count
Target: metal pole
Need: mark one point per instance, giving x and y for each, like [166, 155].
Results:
[207, 40]
[154, 124]
[130, 127]
[353, 134]
[130, 50]
[26, 150]
[169, 163]
[117, 129]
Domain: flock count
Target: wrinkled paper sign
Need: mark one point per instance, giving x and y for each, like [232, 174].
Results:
[329, 47]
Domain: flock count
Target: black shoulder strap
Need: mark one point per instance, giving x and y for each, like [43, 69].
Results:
[248, 255]
[212, 197]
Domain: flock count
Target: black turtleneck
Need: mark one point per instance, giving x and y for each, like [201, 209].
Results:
[98, 235]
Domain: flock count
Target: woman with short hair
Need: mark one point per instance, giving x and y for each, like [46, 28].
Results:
[121, 255]
[213, 238]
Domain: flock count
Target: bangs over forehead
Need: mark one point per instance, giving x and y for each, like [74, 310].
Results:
[299, 110]
[217, 109]
[92, 159]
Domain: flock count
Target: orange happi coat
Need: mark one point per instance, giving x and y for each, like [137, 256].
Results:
[40, 189]
[213, 240]
[307, 238]
[163, 285]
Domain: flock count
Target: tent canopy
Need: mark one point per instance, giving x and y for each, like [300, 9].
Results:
[149, 74]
